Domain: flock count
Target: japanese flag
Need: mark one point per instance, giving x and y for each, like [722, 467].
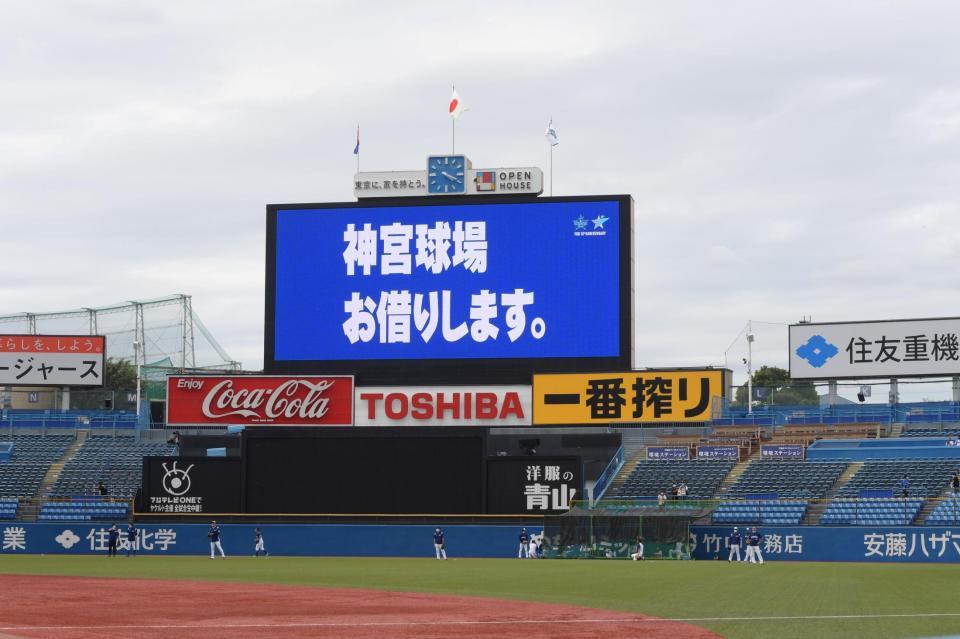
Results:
[456, 105]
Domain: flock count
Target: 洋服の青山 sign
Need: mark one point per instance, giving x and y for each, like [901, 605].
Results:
[260, 399]
[443, 406]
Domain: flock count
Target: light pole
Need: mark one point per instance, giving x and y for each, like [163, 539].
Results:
[749, 367]
[136, 355]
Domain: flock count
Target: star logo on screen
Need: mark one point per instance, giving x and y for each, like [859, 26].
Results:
[599, 221]
[580, 223]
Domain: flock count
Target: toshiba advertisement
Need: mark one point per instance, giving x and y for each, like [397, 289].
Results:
[258, 400]
[443, 406]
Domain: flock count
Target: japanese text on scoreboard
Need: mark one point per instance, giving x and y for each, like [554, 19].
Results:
[448, 281]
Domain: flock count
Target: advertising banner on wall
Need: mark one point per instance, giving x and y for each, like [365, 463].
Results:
[781, 451]
[857, 350]
[443, 406]
[52, 360]
[668, 452]
[257, 400]
[718, 452]
[541, 485]
[191, 485]
[646, 396]
[441, 290]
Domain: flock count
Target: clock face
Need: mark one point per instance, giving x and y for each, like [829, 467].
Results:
[446, 174]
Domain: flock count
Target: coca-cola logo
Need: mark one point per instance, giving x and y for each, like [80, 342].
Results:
[292, 399]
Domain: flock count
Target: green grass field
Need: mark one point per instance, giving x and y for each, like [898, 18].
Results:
[703, 592]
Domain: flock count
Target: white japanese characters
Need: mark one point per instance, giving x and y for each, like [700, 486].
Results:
[389, 246]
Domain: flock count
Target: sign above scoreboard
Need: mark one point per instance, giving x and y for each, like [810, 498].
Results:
[448, 175]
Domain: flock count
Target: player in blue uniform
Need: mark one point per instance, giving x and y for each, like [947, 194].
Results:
[753, 547]
[214, 535]
[439, 544]
[524, 545]
[734, 542]
[131, 540]
[113, 536]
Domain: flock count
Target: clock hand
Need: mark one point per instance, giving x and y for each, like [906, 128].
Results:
[449, 177]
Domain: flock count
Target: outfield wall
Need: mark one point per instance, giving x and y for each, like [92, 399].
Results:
[85, 538]
[880, 544]
[873, 544]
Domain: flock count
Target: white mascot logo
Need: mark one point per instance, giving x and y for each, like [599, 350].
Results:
[176, 481]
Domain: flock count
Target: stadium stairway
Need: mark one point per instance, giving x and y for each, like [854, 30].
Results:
[819, 506]
[30, 510]
[930, 504]
[734, 474]
[896, 429]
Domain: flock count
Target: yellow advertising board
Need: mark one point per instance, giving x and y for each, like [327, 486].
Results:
[646, 396]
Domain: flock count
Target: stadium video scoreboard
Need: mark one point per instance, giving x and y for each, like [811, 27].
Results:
[450, 290]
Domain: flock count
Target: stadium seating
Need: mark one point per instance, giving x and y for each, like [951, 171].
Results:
[928, 477]
[787, 478]
[82, 510]
[8, 507]
[947, 513]
[649, 477]
[931, 432]
[769, 512]
[116, 461]
[872, 512]
[32, 456]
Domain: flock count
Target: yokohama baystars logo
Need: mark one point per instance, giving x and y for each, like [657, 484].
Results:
[286, 400]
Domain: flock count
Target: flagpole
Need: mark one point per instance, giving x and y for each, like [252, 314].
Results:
[453, 129]
[551, 159]
[358, 148]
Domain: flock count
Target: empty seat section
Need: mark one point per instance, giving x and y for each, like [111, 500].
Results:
[798, 479]
[649, 477]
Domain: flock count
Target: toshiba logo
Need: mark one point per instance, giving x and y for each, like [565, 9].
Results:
[449, 405]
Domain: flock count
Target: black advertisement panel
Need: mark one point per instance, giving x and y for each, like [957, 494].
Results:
[533, 484]
[364, 471]
[185, 485]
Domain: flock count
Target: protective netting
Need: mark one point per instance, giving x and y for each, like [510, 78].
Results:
[599, 535]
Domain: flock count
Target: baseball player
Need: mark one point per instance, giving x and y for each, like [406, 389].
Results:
[524, 544]
[734, 542]
[131, 540]
[753, 544]
[113, 536]
[439, 544]
[638, 554]
[214, 535]
[258, 548]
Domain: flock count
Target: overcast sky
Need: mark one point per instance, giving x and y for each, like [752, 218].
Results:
[786, 158]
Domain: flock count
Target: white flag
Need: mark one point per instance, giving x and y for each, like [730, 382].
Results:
[456, 105]
[552, 134]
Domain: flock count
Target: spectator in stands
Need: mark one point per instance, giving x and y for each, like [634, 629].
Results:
[113, 536]
[955, 483]
[905, 486]
[175, 441]
[674, 491]
[682, 490]
[102, 489]
[661, 500]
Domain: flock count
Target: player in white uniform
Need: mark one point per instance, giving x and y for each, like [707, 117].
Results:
[258, 549]
[734, 542]
[214, 535]
[638, 554]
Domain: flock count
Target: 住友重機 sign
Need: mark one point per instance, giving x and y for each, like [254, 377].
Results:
[307, 400]
[439, 290]
[52, 360]
[645, 396]
[894, 348]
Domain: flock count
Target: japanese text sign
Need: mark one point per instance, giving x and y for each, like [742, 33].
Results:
[52, 360]
[668, 452]
[718, 452]
[260, 400]
[647, 396]
[543, 485]
[447, 283]
[781, 451]
[856, 350]
[442, 406]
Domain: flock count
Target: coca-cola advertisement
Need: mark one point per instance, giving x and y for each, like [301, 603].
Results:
[258, 400]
